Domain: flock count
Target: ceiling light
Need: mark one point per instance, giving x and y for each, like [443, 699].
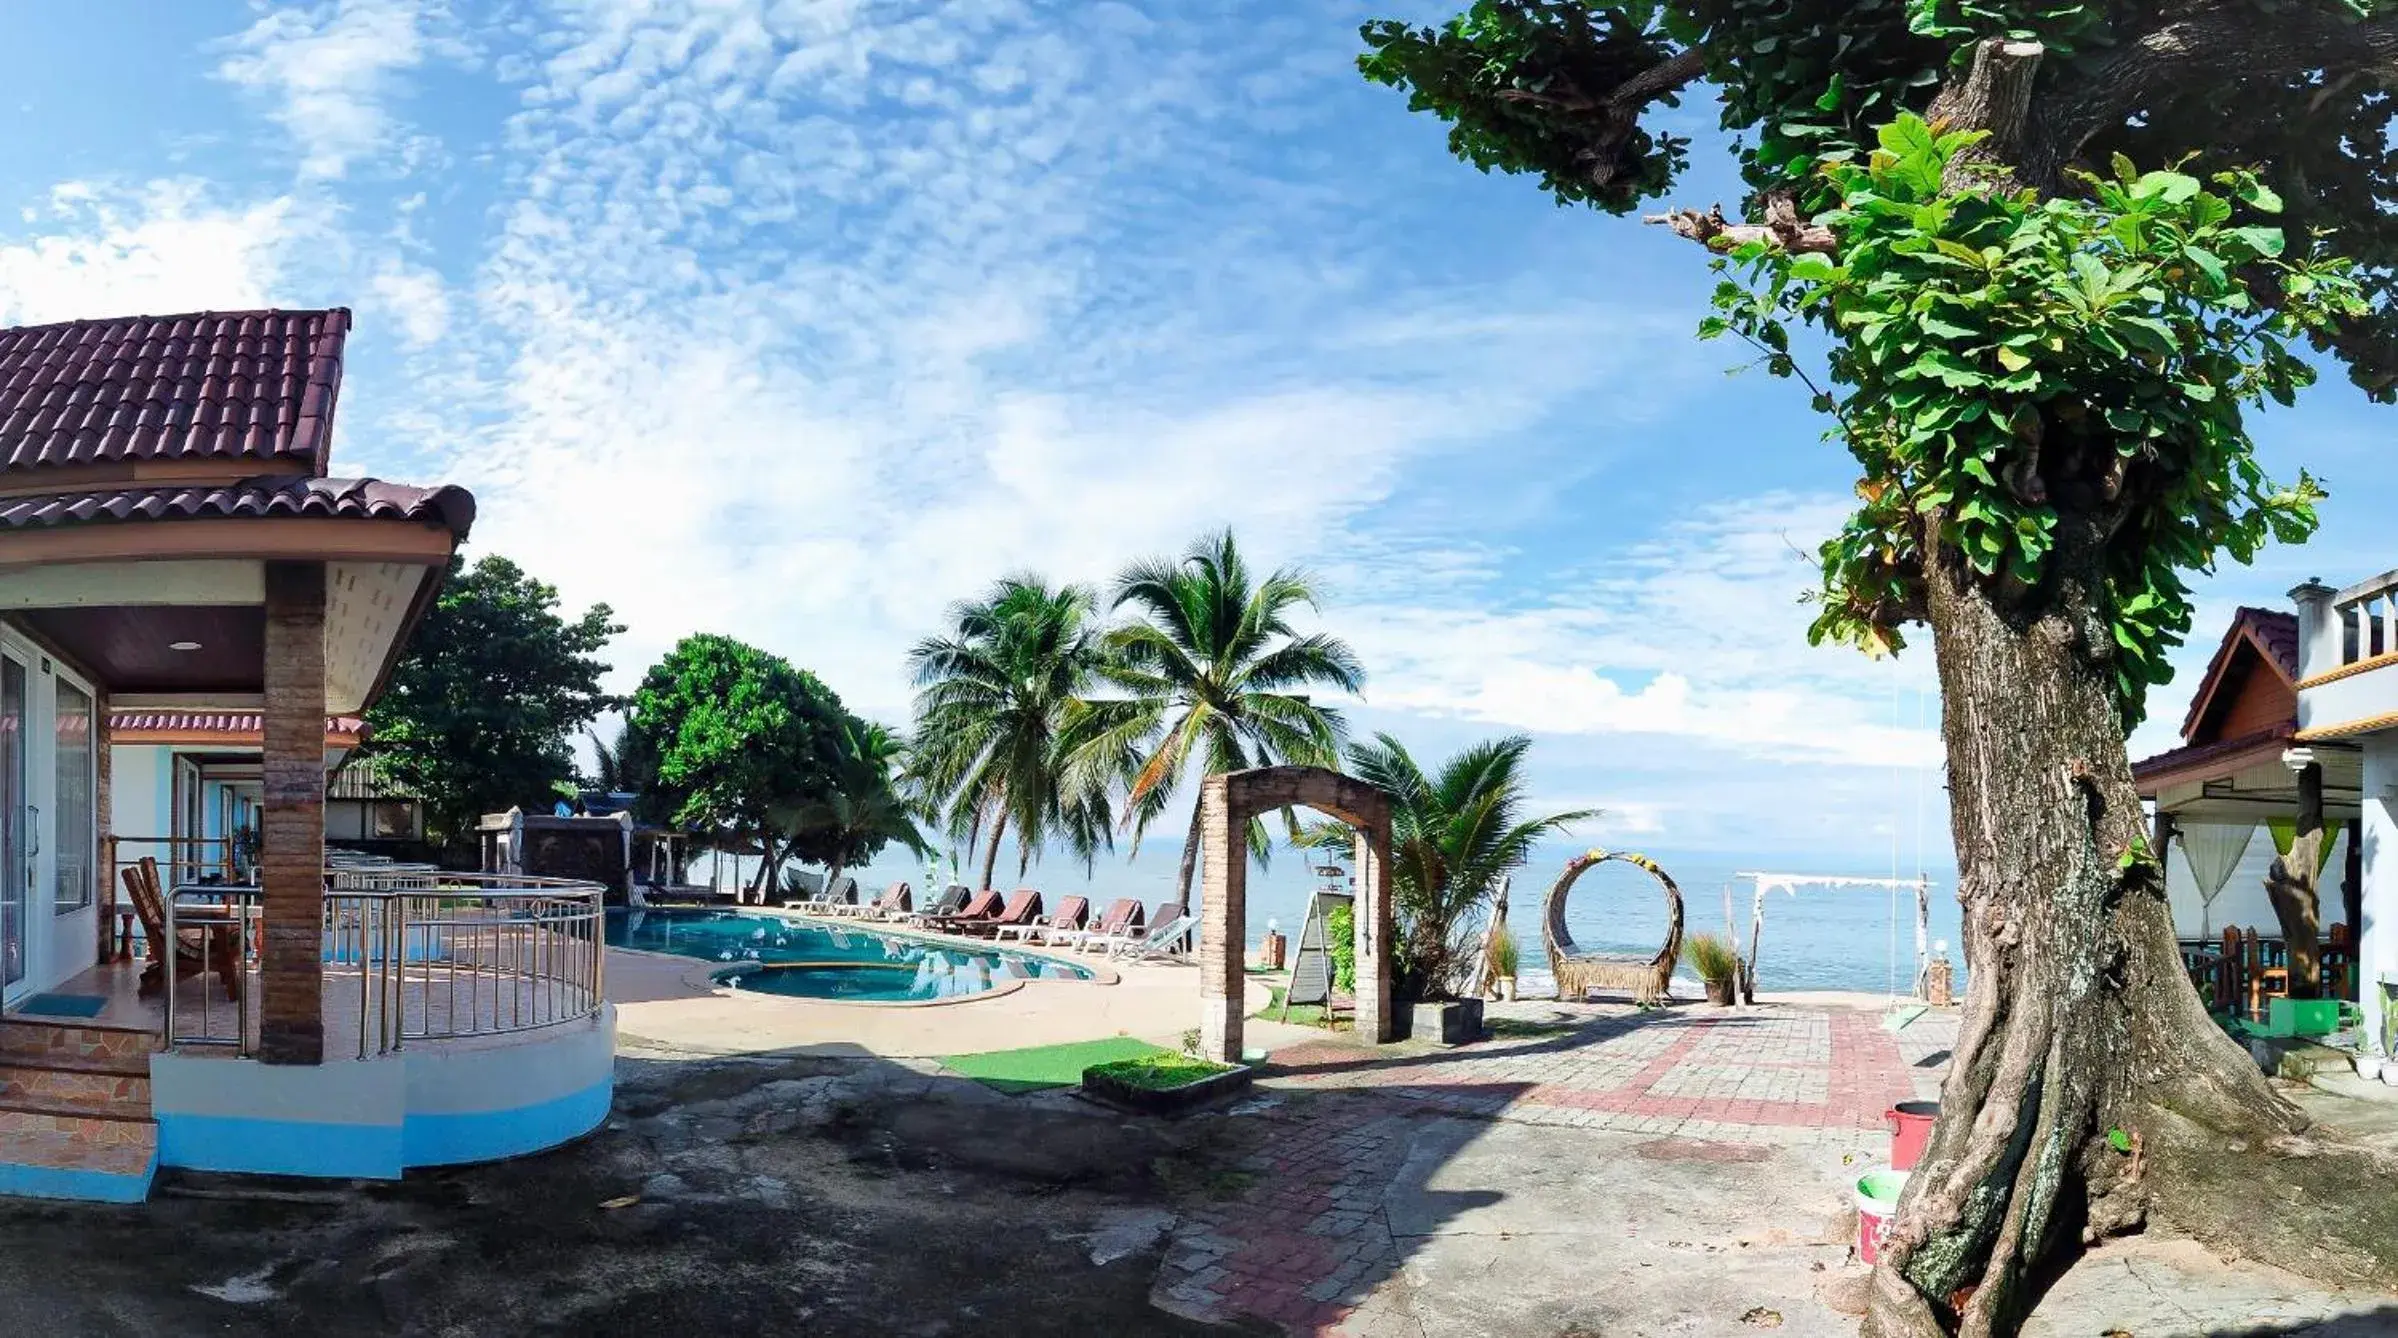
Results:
[183, 645]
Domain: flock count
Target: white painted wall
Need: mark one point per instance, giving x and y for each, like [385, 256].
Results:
[2378, 941]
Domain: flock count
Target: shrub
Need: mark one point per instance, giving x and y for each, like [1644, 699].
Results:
[1712, 957]
[1502, 951]
[1340, 927]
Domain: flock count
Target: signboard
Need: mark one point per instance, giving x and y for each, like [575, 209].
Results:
[1311, 966]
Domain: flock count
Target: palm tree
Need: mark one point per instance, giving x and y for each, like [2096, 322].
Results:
[864, 811]
[1454, 836]
[1209, 671]
[998, 698]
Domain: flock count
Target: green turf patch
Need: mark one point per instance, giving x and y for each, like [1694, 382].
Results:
[1302, 1015]
[1525, 1027]
[1162, 1070]
[1045, 1066]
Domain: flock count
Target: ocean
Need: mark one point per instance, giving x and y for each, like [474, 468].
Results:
[1821, 938]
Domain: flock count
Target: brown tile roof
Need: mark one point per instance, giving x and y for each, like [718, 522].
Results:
[2278, 632]
[2149, 772]
[247, 724]
[212, 385]
[359, 499]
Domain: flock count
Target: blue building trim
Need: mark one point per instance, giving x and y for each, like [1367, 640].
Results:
[53, 1182]
[279, 1147]
[489, 1135]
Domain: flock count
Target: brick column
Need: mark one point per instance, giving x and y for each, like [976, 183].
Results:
[1223, 920]
[1374, 930]
[292, 857]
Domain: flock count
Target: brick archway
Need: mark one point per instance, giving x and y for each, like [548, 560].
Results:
[1226, 803]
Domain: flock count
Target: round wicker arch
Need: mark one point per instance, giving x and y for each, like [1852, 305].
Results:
[1579, 972]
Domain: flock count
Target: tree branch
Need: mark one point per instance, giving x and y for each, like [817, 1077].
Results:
[1782, 228]
[2199, 48]
[1996, 96]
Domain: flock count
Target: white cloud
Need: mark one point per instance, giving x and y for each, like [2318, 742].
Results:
[165, 247]
[416, 299]
[325, 74]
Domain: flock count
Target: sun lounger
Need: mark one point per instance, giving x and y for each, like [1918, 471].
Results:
[1136, 933]
[1122, 914]
[952, 900]
[1023, 908]
[891, 905]
[984, 905]
[1166, 938]
[1071, 913]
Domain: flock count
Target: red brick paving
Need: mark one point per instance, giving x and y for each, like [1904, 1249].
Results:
[1309, 1241]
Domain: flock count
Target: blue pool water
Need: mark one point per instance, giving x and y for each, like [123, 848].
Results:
[771, 955]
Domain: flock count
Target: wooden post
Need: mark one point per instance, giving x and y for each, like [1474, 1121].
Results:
[1223, 927]
[292, 855]
[104, 874]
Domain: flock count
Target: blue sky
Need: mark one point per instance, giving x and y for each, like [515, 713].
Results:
[799, 320]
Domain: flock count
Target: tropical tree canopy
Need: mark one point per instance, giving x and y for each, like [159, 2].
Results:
[999, 698]
[864, 812]
[482, 711]
[1210, 675]
[2034, 344]
[1455, 833]
[737, 734]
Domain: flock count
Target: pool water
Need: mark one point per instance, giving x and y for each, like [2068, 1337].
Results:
[770, 955]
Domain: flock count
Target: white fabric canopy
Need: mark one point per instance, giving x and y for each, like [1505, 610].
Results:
[2213, 850]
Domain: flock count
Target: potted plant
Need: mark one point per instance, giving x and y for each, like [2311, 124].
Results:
[1718, 966]
[1455, 833]
[1503, 963]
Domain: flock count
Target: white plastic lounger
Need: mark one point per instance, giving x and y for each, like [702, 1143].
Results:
[1161, 941]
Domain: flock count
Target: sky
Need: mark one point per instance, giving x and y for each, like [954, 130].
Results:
[797, 320]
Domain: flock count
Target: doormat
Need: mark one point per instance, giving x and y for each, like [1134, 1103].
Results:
[63, 1005]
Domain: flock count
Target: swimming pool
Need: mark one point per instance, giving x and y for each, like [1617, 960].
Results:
[771, 955]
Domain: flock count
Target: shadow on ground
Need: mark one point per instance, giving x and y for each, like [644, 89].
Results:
[817, 1195]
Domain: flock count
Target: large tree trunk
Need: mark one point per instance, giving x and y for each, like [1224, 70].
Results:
[991, 852]
[2078, 1018]
[2293, 885]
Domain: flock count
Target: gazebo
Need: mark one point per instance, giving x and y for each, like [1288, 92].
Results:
[175, 542]
[2242, 767]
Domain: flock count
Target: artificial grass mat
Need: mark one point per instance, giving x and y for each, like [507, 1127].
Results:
[1045, 1066]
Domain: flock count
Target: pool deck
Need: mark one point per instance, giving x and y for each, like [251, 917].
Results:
[668, 1005]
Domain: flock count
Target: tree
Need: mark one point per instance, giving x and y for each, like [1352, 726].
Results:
[481, 713]
[2041, 358]
[999, 699]
[740, 736]
[1455, 836]
[1208, 672]
[863, 812]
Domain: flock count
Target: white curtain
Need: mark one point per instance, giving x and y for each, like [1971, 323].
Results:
[2213, 850]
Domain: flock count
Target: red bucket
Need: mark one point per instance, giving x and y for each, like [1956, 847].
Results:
[1910, 1129]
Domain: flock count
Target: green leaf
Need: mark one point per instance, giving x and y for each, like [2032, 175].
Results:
[2263, 241]
[2116, 1138]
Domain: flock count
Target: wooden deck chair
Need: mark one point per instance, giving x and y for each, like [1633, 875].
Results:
[199, 948]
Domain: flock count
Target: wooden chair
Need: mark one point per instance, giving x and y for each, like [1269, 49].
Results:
[2338, 959]
[2267, 966]
[2231, 984]
[209, 946]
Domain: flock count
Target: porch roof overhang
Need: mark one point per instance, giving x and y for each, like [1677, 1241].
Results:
[159, 592]
[2247, 780]
[217, 730]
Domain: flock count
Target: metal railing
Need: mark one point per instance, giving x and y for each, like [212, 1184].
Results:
[2368, 619]
[425, 955]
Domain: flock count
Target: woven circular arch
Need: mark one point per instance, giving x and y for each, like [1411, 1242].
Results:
[1578, 972]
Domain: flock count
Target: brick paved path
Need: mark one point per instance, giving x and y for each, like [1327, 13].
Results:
[1308, 1241]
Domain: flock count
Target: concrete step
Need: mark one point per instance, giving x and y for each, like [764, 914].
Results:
[42, 1038]
[97, 1085]
[67, 1155]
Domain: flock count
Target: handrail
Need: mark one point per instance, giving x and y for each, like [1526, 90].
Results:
[2368, 619]
[440, 954]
